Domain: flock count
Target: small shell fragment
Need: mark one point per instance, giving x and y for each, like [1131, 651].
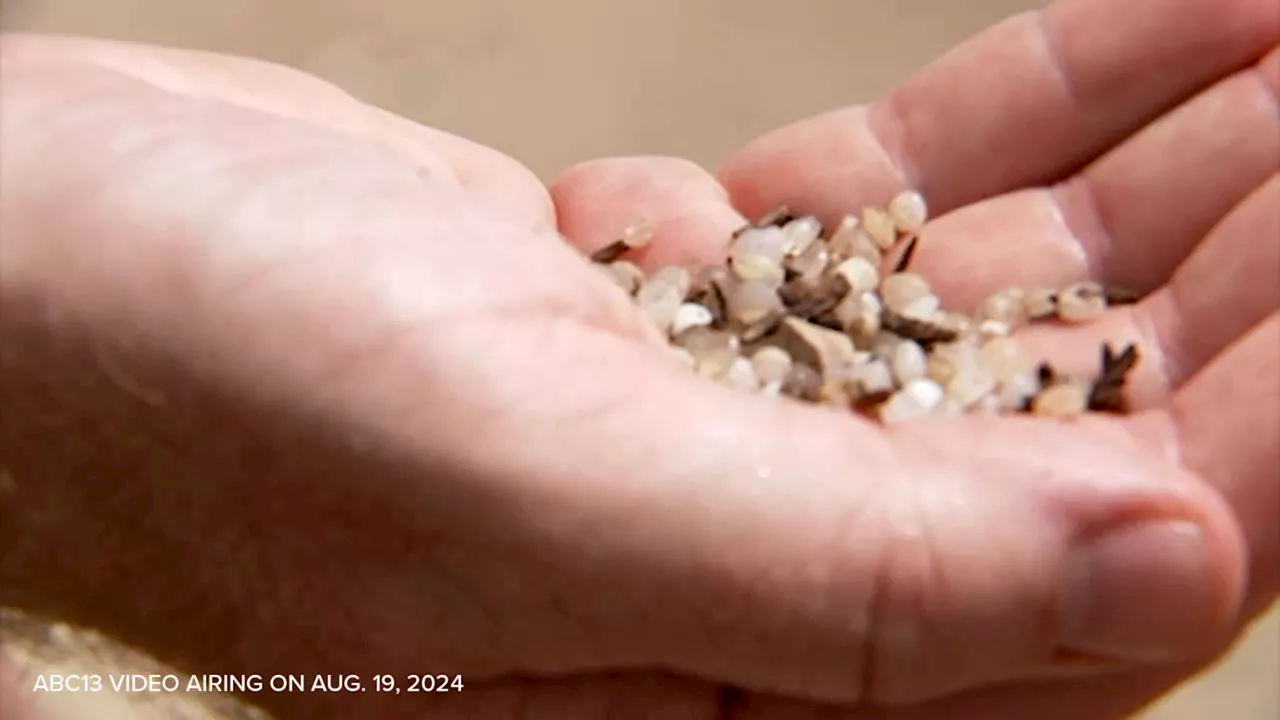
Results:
[827, 350]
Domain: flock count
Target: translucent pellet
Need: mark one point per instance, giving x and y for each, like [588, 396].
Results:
[800, 234]
[741, 374]
[769, 243]
[772, 364]
[749, 266]
[638, 233]
[690, 315]
[660, 301]
[752, 301]
[861, 275]
[1005, 306]
[1062, 401]
[909, 361]
[909, 211]
[1015, 393]
[1082, 302]
[880, 227]
[873, 377]
[1003, 358]
[1039, 302]
[899, 290]
[625, 273]
[675, 276]
[916, 400]
[925, 307]
[860, 315]
[810, 262]
[713, 350]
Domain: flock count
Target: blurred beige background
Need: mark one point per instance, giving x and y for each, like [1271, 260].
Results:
[560, 81]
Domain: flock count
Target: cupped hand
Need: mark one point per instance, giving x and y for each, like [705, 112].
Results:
[292, 385]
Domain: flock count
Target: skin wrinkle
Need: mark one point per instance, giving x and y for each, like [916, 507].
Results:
[879, 125]
[905, 619]
[1181, 370]
[266, 155]
[216, 79]
[1017, 27]
[1101, 211]
[267, 266]
[1043, 30]
[877, 653]
[140, 68]
[1267, 71]
[106, 362]
[1159, 337]
[1087, 210]
[847, 541]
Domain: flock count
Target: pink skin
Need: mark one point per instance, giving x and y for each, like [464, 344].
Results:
[292, 385]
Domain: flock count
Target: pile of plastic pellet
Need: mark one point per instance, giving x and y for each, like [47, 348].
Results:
[838, 318]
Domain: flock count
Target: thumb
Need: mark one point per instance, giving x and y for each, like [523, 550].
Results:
[798, 550]
[809, 552]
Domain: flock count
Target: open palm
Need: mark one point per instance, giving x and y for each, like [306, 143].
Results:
[541, 494]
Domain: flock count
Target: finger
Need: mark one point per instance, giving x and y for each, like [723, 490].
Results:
[1022, 103]
[1142, 208]
[1128, 219]
[1226, 287]
[687, 208]
[807, 553]
[1227, 420]
[286, 92]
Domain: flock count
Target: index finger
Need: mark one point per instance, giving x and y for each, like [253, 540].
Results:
[1025, 102]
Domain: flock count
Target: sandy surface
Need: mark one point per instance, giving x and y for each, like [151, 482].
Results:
[553, 83]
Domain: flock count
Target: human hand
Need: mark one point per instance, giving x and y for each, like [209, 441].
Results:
[292, 388]
[1137, 145]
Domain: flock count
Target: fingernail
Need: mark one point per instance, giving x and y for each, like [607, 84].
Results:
[1145, 592]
